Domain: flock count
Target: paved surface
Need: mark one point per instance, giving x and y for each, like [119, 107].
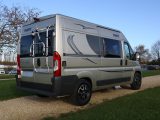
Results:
[35, 108]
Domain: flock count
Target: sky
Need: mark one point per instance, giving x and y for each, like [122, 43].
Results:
[139, 20]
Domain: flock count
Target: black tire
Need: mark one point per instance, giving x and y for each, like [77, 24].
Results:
[82, 93]
[42, 96]
[137, 81]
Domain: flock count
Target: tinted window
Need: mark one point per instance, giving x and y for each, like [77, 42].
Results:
[112, 48]
[93, 42]
[41, 40]
[128, 51]
[26, 42]
[50, 42]
[131, 52]
[39, 47]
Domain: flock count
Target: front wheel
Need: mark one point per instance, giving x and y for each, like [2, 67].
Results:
[137, 81]
[82, 93]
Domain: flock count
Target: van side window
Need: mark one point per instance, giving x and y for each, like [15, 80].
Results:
[93, 42]
[112, 48]
[129, 54]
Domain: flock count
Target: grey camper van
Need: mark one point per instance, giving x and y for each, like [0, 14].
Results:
[60, 55]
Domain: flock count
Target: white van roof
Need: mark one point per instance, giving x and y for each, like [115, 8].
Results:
[53, 15]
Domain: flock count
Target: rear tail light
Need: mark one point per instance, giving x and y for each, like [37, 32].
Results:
[57, 64]
[18, 66]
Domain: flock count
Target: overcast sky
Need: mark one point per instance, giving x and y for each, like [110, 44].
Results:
[139, 20]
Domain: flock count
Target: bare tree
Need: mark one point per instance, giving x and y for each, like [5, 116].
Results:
[145, 56]
[11, 20]
[155, 50]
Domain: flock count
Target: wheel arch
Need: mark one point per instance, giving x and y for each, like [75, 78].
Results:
[139, 72]
[88, 76]
[87, 79]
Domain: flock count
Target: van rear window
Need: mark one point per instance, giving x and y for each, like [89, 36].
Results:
[26, 42]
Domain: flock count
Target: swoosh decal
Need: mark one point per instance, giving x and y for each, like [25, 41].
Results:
[89, 60]
[115, 70]
[72, 45]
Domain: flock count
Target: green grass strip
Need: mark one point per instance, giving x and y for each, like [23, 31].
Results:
[144, 105]
[6, 76]
[8, 90]
[150, 73]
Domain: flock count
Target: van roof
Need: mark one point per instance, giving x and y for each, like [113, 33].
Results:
[53, 15]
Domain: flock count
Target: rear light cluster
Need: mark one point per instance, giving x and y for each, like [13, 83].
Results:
[57, 64]
[18, 66]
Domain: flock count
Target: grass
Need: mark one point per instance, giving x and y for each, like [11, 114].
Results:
[150, 73]
[5, 76]
[144, 105]
[8, 90]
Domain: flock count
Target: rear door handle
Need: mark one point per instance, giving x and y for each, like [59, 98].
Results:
[64, 63]
[38, 62]
[121, 62]
[126, 62]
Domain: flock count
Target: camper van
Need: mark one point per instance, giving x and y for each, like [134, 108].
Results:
[64, 56]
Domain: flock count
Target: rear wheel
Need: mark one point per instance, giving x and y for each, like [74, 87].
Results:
[137, 81]
[82, 93]
[42, 96]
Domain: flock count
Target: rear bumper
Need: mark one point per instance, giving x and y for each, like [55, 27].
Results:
[60, 86]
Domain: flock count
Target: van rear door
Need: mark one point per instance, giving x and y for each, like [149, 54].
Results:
[26, 60]
[43, 57]
[36, 51]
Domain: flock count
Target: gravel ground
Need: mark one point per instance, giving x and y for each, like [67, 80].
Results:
[35, 108]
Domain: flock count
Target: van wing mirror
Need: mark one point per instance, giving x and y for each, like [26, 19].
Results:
[137, 56]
